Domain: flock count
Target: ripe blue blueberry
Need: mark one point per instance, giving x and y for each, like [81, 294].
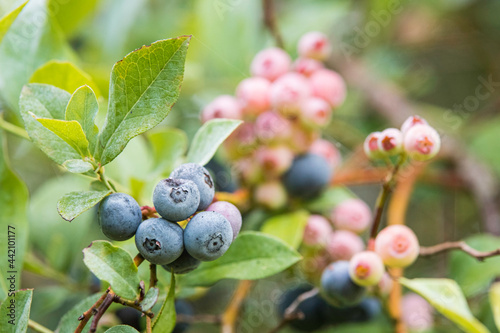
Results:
[337, 287]
[307, 176]
[176, 199]
[201, 177]
[182, 265]
[207, 236]
[119, 216]
[159, 241]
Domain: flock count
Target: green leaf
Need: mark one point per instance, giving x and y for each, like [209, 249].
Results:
[447, 298]
[208, 139]
[8, 19]
[78, 166]
[63, 75]
[122, 329]
[70, 131]
[150, 299]
[69, 322]
[475, 277]
[32, 40]
[83, 107]
[13, 214]
[46, 102]
[168, 146]
[113, 265]
[287, 227]
[18, 322]
[495, 302]
[143, 88]
[252, 256]
[327, 200]
[70, 13]
[74, 203]
[165, 322]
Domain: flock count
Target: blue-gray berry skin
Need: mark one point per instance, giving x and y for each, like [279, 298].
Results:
[184, 264]
[119, 216]
[176, 199]
[207, 236]
[308, 175]
[311, 308]
[159, 241]
[338, 288]
[201, 177]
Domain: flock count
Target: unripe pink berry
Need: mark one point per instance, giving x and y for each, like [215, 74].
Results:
[274, 160]
[315, 112]
[397, 245]
[248, 170]
[366, 268]
[412, 121]
[253, 93]
[270, 63]
[271, 195]
[270, 126]
[371, 146]
[328, 85]
[224, 106]
[343, 244]
[353, 215]
[307, 66]
[385, 284]
[302, 138]
[422, 142]
[314, 45]
[328, 150]
[317, 230]
[417, 313]
[390, 142]
[230, 212]
[288, 92]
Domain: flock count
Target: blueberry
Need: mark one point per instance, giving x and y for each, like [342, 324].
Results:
[307, 176]
[368, 309]
[119, 216]
[201, 177]
[208, 236]
[311, 308]
[182, 308]
[337, 287]
[176, 199]
[182, 265]
[230, 212]
[159, 241]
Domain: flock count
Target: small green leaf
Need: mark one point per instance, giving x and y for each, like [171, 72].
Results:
[78, 166]
[446, 297]
[8, 19]
[70, 131]
[113, 265]
[327, 200]
[287, 227]
[74, 203]
[208, 139]
[150, 299]
[69, 321]
[63, 75]
[495, 302]
[143, 88]
[253, 255]
[165, 322]
[122, 329]
[168, 146]
[17, 322]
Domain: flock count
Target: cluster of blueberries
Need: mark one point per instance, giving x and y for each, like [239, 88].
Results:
[187, 194]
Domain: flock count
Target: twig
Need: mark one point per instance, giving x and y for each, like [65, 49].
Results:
[85, 317]
[138, 259]
[133, 304]
[152, 283]
[270, 22]
[230, 315]
[38, 327]
[291, 312]
[460, 245]
[148, 212]
[9, 127]
[102, 309]
[210, 319]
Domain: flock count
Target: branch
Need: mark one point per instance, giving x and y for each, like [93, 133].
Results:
[270, 22]
[9, 127]
[460, 245]
[152, 283]
[138, 259]
[230, 315]
[38, 327]
[291, 312]
[102, 309]
[85, 317]
[132, 304]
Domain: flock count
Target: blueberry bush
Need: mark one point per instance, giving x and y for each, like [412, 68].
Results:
[307, 178]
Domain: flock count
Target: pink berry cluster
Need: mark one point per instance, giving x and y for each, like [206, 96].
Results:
[416, 138]
[284, 105]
